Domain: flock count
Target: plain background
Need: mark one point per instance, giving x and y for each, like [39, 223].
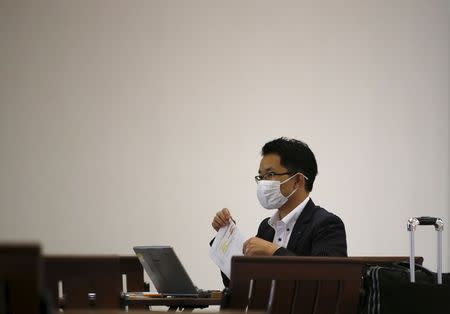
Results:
[129, 123]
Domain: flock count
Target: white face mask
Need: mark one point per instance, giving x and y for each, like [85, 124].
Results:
[269, 193]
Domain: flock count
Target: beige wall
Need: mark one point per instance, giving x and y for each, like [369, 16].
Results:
[133, 122]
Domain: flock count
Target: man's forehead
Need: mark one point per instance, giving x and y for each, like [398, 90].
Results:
[270, 162]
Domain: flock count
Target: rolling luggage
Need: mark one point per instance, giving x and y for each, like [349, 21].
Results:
[408, 288]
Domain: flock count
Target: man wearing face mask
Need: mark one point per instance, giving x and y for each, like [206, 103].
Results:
[287, 172]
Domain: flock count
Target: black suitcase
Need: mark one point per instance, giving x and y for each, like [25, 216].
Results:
[408, 288]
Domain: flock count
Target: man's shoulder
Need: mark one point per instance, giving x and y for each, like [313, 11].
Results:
[320, 215]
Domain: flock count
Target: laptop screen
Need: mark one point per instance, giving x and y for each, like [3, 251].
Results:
[165, 270]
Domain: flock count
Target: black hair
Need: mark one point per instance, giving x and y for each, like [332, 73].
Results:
[295, 156]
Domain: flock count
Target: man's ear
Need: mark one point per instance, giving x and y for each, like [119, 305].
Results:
[299, 181]
[302, 179]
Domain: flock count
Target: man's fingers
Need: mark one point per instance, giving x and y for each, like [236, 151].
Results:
[226, 212]
[215, 225]
[220, 221]
[223, 215]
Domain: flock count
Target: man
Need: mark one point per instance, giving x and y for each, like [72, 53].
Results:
[287, 172]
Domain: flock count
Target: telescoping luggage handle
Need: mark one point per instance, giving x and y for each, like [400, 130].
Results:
[439, 226]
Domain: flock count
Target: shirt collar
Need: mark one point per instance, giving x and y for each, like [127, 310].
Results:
[290, 218]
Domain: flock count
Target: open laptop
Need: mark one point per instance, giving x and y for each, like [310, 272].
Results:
[166, 271]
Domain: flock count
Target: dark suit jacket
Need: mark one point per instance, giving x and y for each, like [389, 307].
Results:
[316, 232]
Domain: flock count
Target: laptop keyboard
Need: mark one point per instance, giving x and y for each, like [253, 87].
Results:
[208, 293]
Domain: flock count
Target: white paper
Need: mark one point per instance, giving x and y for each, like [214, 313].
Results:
[228, 243]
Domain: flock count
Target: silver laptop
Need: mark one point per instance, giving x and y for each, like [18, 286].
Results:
[166, 271]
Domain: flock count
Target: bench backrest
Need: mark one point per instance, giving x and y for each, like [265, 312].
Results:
[295, 284]
[86, 281]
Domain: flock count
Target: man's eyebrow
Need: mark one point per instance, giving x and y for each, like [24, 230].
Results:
[265, 170]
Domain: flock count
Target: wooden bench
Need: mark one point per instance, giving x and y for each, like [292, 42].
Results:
[85, 281]
[91, 281]
[281, 285]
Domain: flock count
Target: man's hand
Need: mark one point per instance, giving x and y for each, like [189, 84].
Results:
[256, 246]
[221, 219]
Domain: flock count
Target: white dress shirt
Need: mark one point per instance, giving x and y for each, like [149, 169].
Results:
[283, 227]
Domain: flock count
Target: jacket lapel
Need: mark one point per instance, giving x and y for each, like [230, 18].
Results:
[302, 220]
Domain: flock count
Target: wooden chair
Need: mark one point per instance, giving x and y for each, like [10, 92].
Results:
[86, 281]
[281, 285]
[20, 278]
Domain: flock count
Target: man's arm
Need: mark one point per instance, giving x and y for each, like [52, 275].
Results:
[331, 238]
